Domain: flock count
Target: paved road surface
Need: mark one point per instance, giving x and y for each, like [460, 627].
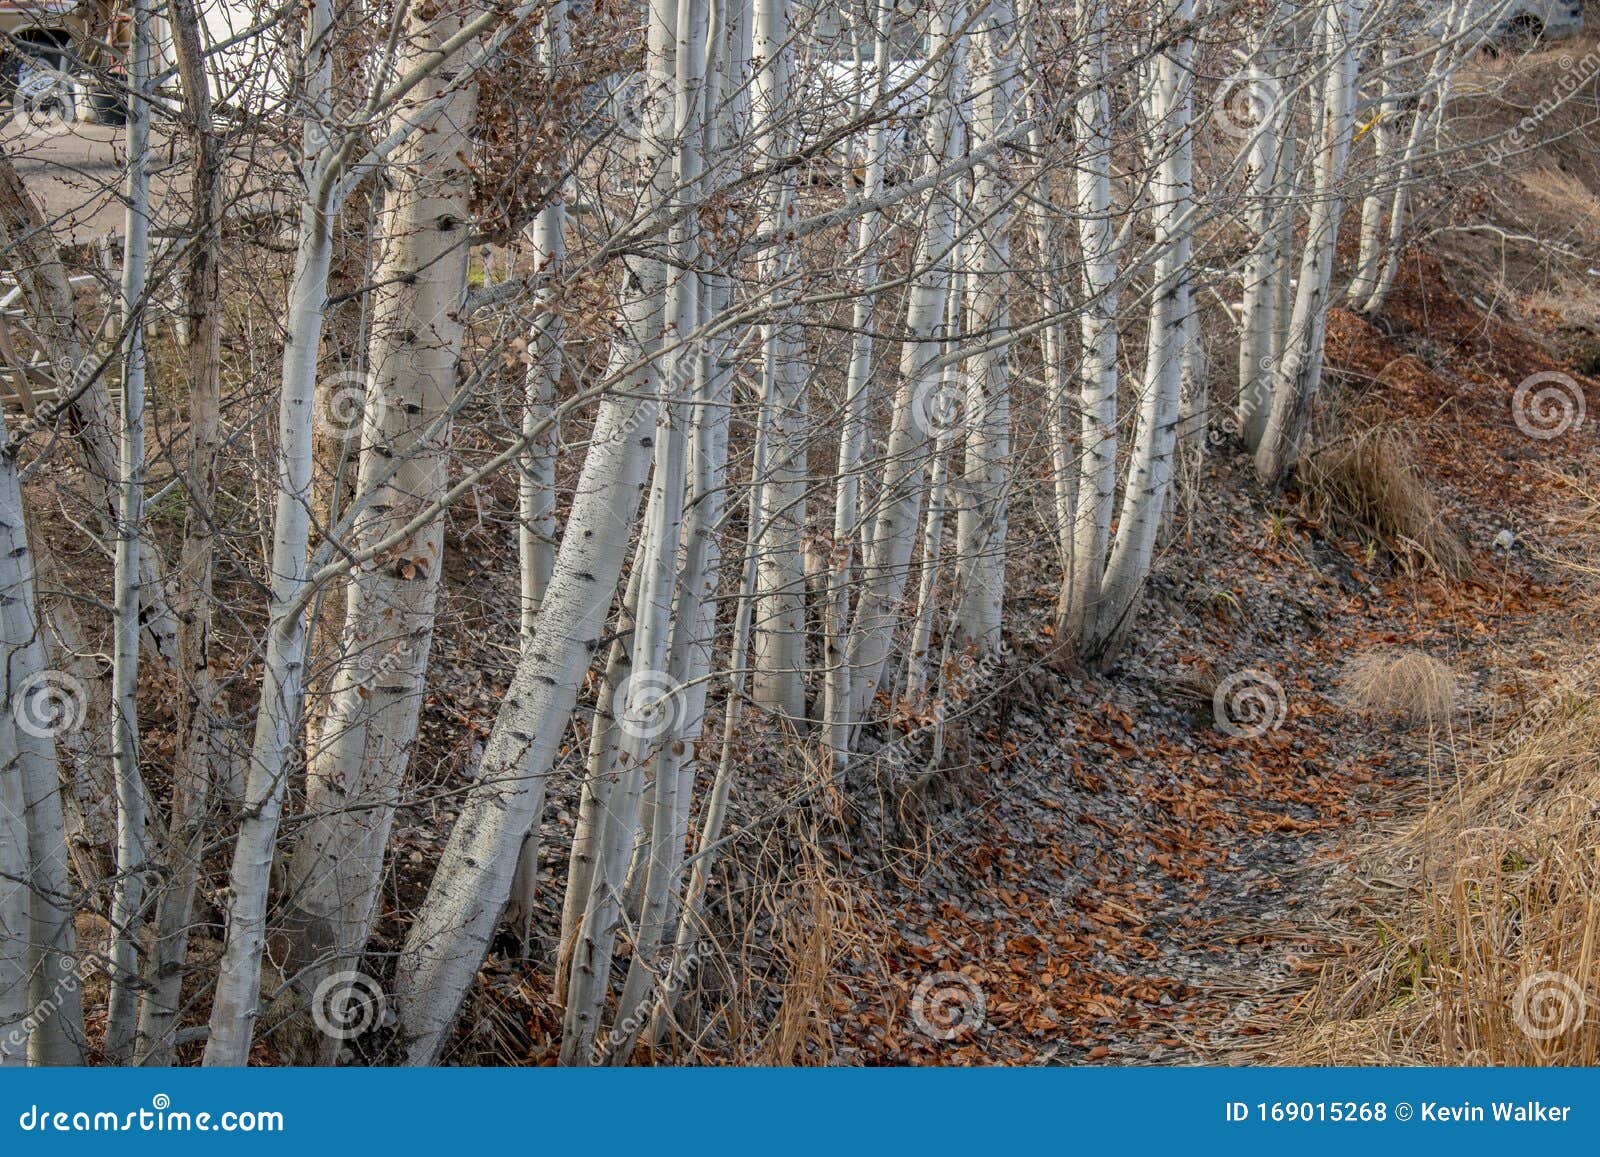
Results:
[77, 172]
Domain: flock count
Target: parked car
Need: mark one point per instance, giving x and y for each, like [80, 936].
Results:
[52, 52]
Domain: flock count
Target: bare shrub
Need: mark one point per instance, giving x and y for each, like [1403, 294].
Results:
[1408, 685]
[1369, 481]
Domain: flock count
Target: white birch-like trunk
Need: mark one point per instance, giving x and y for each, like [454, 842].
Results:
[128, 895]
[448, 941]
[652, 710]
[1375, 205]
[354, 780]
[536, 491]
[986, 476]
[469, 891]
[602, 752]
[1298, 373]
[1265, 203]
[1457, 43]
[938, 486]
[1097, 485]
[1150, 470]
[694, 615]
[780, 640]
[837, 676]
[41, 1011]
[238, 990]
[16, 940]
[894, 533]
[198, 748]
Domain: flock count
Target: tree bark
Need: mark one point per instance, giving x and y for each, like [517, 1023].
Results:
[357, 769]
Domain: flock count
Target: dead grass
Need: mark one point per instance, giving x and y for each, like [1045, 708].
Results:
[1407, 685]
[1369, 481]
[1481, 919]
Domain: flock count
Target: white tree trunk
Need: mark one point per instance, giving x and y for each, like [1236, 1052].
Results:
[1375, 205]
[894, 532]
[981, 521]
[1151, 468]
[356, 771]
[602, 752]
[536, 491]
[1097, 486]
[38, 961]
[837, 677]
[198, 748]
[16, 940]
[652, 710]
[694, 616]
[473, 880]
[780, 640]
[1457, 43]
[278, 708]
[1298, 374]
[447, 942]
[128, 896]
[938, 488]
[1263, 267]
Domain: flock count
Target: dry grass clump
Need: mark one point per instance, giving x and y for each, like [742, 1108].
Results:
[1407, 685]
[1370, 481]
[1481, 921]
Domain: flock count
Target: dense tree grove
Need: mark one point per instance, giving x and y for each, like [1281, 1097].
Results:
[767, 342]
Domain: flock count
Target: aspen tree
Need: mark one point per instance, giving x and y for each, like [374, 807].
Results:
[894, 528]
[1297, 377]
[1150, 471]
[986, 471]
[1096, 489]
[128, 896]
[780, 638]
[367, 734]
[470, 888]
[198, 747]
